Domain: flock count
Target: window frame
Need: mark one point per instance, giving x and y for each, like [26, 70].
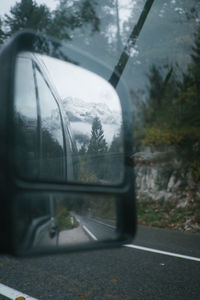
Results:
[39, 118]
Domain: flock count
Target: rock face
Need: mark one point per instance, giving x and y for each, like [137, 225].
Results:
[152, 182]
[159, 177]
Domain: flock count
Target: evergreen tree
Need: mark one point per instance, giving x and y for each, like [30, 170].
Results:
[59, 23]
[190, 92]
[117, 142]
[196, 64]
[155, 88]
[160, 94]
[156, 83]
[27, 14]
[83, 149]
[115, 145]
[115, 169]
[196, 49]
[1, 32]
[97, 142]
[97, 149]
[68, 17]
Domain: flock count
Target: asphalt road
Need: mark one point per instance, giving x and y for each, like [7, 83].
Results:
[123, 273]
[96, 228]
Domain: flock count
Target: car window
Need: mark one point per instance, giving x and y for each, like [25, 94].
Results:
[162, 74]
[51, 143]
[26, 126]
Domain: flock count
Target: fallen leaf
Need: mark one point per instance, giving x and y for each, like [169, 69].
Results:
[82, 296]
[114, 280]
[111, 293]
[90, 293]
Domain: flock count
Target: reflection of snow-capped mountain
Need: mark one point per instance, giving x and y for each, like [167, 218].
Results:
[81, 115]
[81, 111]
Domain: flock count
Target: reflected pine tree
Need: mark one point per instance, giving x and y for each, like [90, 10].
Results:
[97, 149]
[115, 158]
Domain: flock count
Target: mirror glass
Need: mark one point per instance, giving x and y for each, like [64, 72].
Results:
[67, 123]
[54, 220]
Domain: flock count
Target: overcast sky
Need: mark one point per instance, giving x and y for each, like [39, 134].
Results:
[76, 82]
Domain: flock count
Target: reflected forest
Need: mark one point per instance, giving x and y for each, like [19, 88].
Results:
[99, 162]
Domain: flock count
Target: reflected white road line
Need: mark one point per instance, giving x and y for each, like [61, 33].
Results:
[163, 252]
[97, 221]
[12, 293]
[90, 233]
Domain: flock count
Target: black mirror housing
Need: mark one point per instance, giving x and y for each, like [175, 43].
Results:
[20, 195]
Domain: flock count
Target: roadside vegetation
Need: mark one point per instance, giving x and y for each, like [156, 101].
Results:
[105, 208]
[169, 215]
[64, 220]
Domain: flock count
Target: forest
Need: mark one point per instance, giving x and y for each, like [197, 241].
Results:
[171, 113]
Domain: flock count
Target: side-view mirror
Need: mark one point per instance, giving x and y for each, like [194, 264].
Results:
[66, 177]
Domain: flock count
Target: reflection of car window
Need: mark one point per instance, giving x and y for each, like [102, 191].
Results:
[26, 145]
[52, 151]
[25, 96]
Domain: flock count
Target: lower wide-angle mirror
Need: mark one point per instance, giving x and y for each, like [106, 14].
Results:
[52, 221]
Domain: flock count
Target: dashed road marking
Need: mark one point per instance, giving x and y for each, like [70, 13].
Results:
[12, 293]
[108, 225]
[90, 233]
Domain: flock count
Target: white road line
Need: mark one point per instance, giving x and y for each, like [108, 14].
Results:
[103, 223]
[12, 293]
[89, 232]
[163, 252]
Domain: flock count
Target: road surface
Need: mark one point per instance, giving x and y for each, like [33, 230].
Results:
[161, 264]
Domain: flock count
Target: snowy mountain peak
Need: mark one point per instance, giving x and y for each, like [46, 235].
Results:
[82, 111]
